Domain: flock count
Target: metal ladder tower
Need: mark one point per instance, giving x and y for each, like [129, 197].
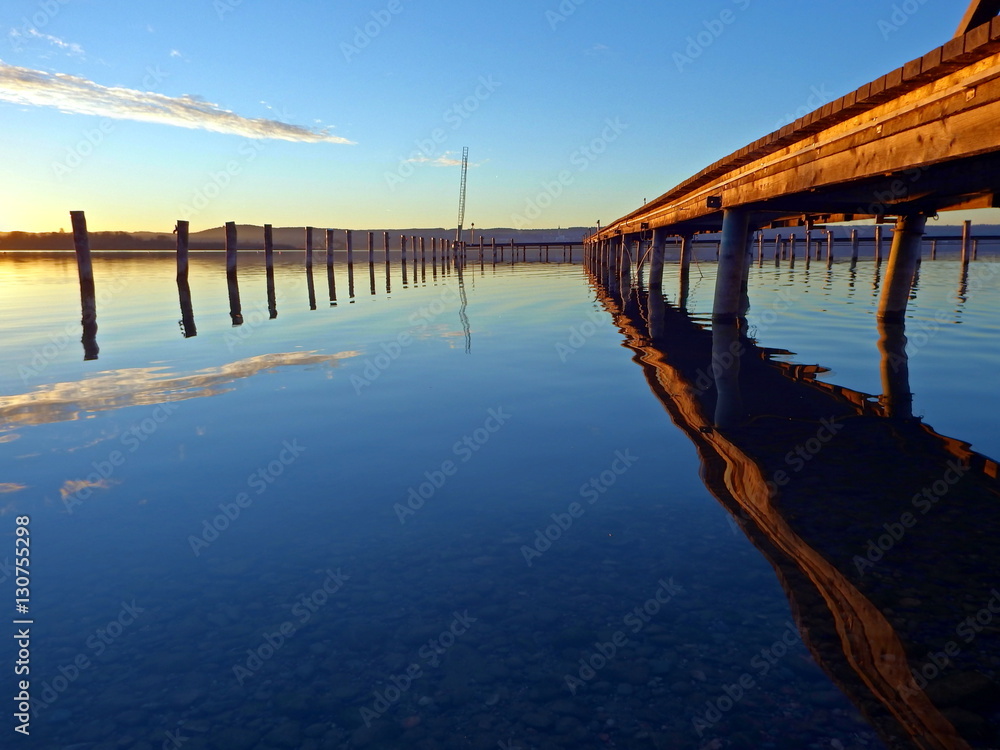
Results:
[461, 198]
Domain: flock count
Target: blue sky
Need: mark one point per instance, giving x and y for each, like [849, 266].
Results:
[573, 111]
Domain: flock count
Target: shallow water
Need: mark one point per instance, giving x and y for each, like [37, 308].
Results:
[450, 516]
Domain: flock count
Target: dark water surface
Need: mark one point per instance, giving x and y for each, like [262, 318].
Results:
[499, 511]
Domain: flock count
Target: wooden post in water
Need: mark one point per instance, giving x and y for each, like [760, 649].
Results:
[903, 257]
[272, 302]
[512, 251]
[878, 244]
[350, 263]
[854, 248]
[385, 246]
[966, 234]
[331, 280]
[933, 249]
[493, 244]
[760, 247]
[791, 250]
[371, 262]
[658, 250]
[975, 249]
[230, 247]
[402, 249]
[777, 250]
[182, 230]
[829, 248]
[309, 247]
[88, 296]
[732, 257]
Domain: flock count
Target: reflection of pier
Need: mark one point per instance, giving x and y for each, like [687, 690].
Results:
[819, 477]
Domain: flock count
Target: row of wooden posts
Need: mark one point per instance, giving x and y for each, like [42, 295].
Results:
[613, 259]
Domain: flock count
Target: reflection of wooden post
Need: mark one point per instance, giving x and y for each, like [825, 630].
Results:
[903, 257]
[309, 247]
[897, 399]
[182, 249]
[230, 247]
[726, 352]
[732, 258]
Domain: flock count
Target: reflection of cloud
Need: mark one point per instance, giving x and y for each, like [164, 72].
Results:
[6, 487]
[72, 486]
[77, 95]
[117, 389]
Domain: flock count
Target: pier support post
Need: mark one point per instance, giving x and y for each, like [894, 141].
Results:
[350, 263]
[829, 248]
[966, 236]
[777, 250]
[903, 255]
[854, 248]
[658, 248]
[309, 247]
[878, 244]
[732, 258]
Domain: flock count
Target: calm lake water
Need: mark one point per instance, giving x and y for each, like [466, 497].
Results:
[499, 510]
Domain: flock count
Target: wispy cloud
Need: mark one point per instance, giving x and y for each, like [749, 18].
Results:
[71, 48]
[76, 95]
[445, 160]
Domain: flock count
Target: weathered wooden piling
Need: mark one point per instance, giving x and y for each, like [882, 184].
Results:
[309, 247]
[231, 247]
[402, 250]
[371, 248]
[732, 254]
[934, 249]
[791, 250]
[760, 248]
[493, 245]
[854, 248]
[777, 250]
[903, 255]
[658, 250]
[829, 248]
[349, 240]
[88, 296]
[182, 232]
[878, 244]
[272, 302]
[966, 235]
[331, 279]
[81, 244]
[385, 247]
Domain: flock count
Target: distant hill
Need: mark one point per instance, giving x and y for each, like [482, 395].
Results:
[251, 237]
